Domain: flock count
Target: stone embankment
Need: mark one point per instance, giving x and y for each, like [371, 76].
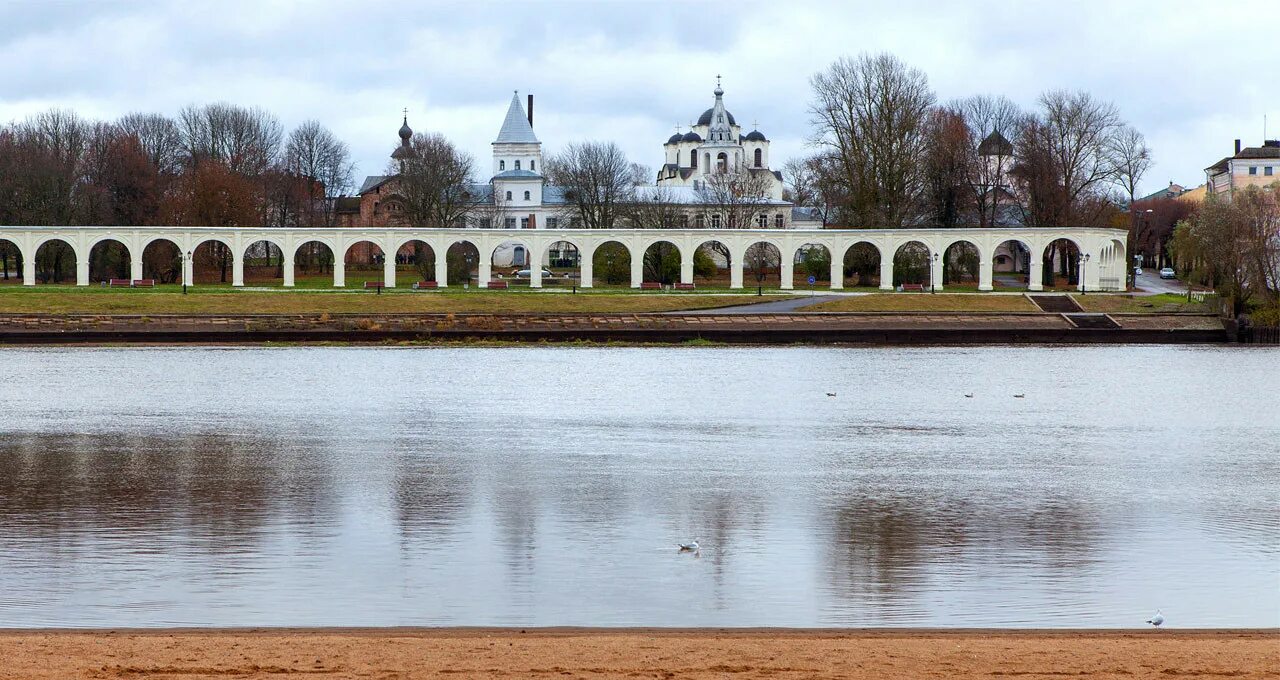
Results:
[889, 328]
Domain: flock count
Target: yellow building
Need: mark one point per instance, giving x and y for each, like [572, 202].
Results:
[1252, 166]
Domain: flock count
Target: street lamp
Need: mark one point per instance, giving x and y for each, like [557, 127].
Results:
[933, 275]
[468, 260]
[187, 262]
[1084, 259]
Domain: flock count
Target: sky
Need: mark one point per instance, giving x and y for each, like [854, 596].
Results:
[1192, 76]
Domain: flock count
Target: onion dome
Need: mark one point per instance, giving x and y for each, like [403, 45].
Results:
[705, 118]
[405, 150]
[675, 139]
[691, 136]
[754, 136]
[405, 132]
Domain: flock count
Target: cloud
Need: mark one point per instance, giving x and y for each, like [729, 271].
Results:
[628, 72]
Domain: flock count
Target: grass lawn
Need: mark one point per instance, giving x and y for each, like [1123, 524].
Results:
[220, 300]
[1128, 304]
[926, 302]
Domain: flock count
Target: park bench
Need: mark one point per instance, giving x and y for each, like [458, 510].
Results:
[684, 286]
[498, 284]
[913, 287]
[374, 284]
[144, 283]
[119, 282]
[650, 285]
[424, 285]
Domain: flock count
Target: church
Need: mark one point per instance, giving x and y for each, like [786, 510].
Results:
[698, 167]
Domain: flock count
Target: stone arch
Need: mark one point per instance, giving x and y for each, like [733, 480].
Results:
[312, 263]
[563, 256]
[11, 259]
[462, 259]
[662, 259]
[861, 264]
[162, 260]
[415, 261]
[56, 260]
[1011, 264]
[1116, 276]
[512, 255]
[712, 263]
[762, 262]
[264, 262]
[1060, 259]
[109, 258]
[812, 258]
[364, 261]
[913, 263]
[212, 261]
[961, 262]
[610, 263]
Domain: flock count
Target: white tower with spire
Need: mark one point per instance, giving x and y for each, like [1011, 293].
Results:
[517, 161]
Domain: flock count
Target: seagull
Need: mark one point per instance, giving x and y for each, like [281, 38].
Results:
[969, 395]
[831, 394]
[1019, 396]
[1157, 619]
[689, 547]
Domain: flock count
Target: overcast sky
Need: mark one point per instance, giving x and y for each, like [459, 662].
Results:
[1191, 76]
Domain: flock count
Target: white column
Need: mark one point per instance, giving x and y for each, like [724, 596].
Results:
[82, 272]
[288, 267]
[486, 271]
[837, 273]
[188, 271]
[686, 264]
[935, 273]
[237, 270]
[585, 268]
[339, 273]
[1035, 278]
[984, 275]
[388, 269]
[135, 267]
[28, 271]
[788, 271]
[442, 266]
[535, 263]
[735, 269]
[637, 268]
[886, 272]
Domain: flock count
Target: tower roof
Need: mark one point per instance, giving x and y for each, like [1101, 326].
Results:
[516, 128]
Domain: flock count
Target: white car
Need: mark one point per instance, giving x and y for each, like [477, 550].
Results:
[1168, 273]
[525, 273]
[1137, 271]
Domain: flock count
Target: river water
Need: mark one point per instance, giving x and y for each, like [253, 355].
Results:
[549, 486]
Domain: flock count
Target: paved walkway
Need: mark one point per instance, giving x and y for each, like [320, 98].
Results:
[777, 306]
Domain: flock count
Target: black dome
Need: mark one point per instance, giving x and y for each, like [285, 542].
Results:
[705, 118]
[675, 139]
[691, 136]
[754, 136]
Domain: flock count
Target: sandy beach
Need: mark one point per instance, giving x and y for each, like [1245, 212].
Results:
[636, 653]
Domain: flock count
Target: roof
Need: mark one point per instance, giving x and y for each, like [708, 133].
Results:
[1269, 149]
[705, 118]
[517, 174]
[688, 195]
[675, 139]
[805, 214]
[995, 144]
[516, 128]
[373, 182]
[691, 136]
[755, 136]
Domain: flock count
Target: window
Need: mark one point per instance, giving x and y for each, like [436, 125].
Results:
[706, 157]
[508, 195]
[1253, 169]
[517, 165]
[502, 165]
[526, 195]
[715, 221]
[486, 223]
[762, 220]
[777, 220]
[684, 221]
[759, 158]
[531, 167]
[699, 221]
[722, 163]
[693, 159]
[553, 222]
[524, 222]
[510, 223]
[1268, 170]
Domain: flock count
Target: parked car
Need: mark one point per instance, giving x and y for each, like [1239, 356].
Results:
[1168, 273]
[525, 273]
[1137, 271]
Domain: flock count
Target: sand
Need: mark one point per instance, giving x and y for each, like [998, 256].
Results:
[696, 654]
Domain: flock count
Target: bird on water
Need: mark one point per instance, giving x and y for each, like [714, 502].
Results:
[691, 546]
[1156, 620]
[1019, 396]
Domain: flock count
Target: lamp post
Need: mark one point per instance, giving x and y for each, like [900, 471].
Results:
[933, 274]
[1084, 259]
[468, 260]
[187, 262]
[608, 267]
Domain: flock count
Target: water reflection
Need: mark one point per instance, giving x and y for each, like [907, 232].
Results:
[555, 494]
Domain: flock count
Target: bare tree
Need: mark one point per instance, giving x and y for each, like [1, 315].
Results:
[992, 121]
[869, 113]
[159, 137]
[949, 156]
[597, 179]
[735, 200]
[246, 140]
[654, 207]
[435, 182]
[315, 154]
[1130, 160]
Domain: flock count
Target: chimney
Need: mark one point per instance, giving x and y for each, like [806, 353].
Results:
[1237, 141]
[531, 113]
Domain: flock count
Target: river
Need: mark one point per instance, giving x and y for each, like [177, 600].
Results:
[317, 486]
